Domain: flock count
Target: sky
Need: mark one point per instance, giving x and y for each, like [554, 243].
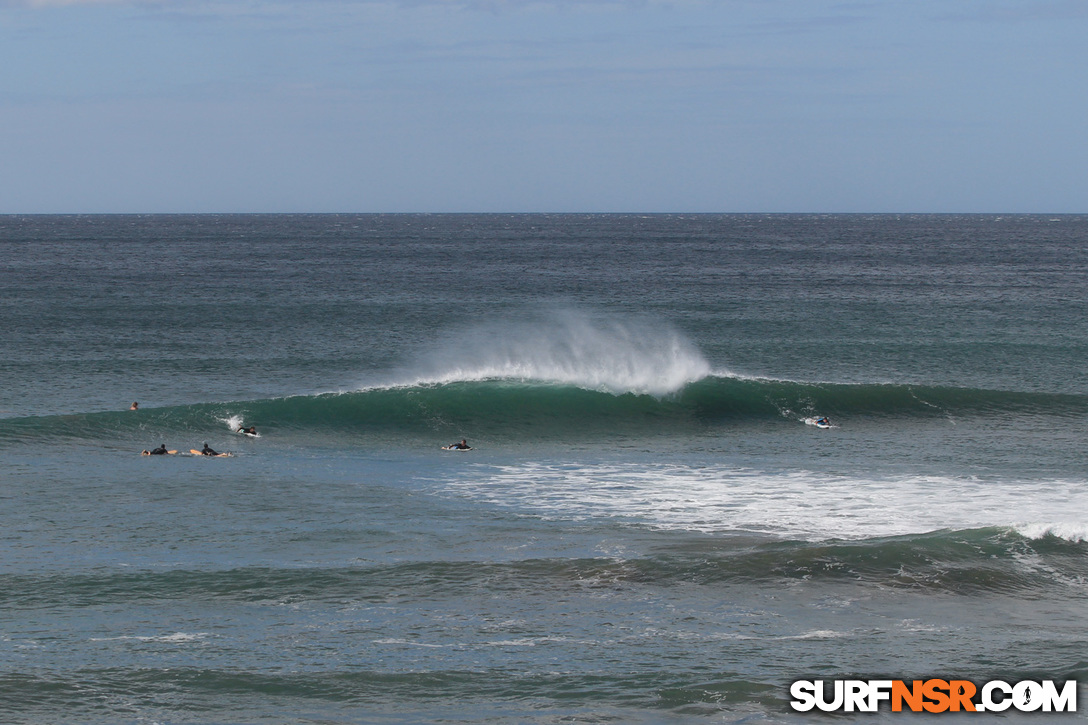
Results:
[173, 106]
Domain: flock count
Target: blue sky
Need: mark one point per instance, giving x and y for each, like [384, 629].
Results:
[569, 105]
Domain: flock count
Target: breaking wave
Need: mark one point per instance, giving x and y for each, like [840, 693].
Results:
[504, 406]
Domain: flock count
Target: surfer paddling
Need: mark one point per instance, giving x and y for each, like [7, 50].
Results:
[462, 446]
[250, 431]
[160, 451]
[207, 451]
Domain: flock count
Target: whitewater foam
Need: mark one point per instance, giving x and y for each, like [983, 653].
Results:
[176, 637]
[793, 504]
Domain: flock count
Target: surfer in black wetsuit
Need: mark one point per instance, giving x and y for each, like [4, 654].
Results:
[462, 446]
[160, 451]
[251, 430]
[207, 451]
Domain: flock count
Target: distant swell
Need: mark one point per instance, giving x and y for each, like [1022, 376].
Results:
[45, 696]
[961, 562]
[516, 408]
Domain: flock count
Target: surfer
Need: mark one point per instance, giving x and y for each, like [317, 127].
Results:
[251, 430]
[207, 451]
[134, 406]
[160, 451]
[823, 421]
[462, 446]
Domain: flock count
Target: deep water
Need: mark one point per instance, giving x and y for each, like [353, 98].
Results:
[647, 529]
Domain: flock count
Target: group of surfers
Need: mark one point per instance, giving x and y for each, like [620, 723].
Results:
[822, 421]
[252, 430]
[162, 450]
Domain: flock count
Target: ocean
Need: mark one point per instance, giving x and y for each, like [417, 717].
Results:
[646, 529]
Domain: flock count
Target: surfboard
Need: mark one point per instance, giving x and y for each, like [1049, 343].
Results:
[247, 433]
[197, 452]
[816, 422]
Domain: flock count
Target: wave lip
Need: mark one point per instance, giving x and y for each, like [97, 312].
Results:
[1069, 531]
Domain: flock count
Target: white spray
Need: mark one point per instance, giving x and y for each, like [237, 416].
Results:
[569, 347]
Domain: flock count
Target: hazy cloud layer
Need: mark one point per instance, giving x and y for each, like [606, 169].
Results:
[787, 105]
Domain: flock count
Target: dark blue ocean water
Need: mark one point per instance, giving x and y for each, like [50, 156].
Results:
[646, 530]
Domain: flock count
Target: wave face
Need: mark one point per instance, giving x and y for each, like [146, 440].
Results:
[501, 407]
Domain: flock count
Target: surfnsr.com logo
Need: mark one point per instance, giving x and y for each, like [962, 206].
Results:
[934, 696]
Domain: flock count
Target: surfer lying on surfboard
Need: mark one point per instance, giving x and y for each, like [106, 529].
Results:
[162, 451]
[250, 431]
[462, 446]
[206, 451]
[210, 453]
